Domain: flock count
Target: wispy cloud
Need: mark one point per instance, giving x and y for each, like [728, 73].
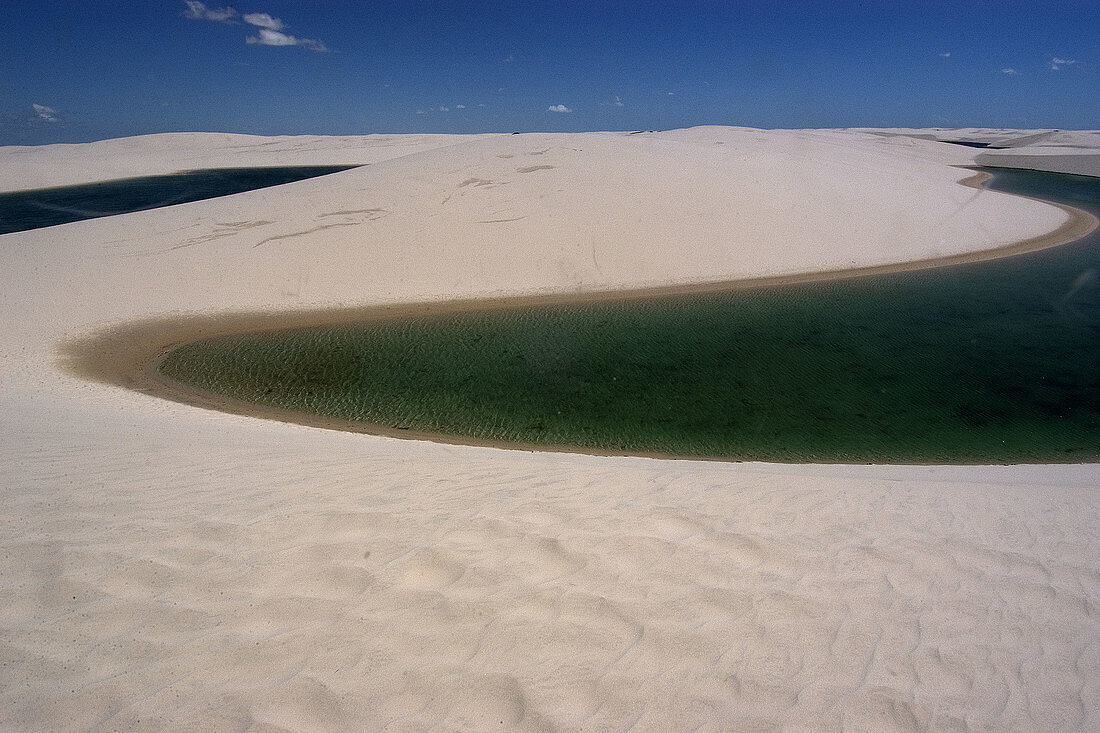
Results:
[269, 28]
[263, 20]
[1010, 71]
[268, 37]
[198, 11]
[44, 113]
[558, 108]
[1057, 64]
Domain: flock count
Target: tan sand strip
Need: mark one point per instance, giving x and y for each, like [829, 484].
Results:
[128, 354]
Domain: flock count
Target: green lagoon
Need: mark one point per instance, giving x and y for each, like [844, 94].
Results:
[983, 363]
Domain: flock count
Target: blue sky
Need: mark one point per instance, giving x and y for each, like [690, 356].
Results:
[77, 71]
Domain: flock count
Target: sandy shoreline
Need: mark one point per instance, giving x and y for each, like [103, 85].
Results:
[128, 355]
[169, 567]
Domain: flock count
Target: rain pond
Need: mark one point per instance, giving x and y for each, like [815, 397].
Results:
[991, 362]
[44, 207]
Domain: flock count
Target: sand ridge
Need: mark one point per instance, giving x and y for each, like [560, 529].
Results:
[169, 567]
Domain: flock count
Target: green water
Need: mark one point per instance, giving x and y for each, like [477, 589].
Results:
[991, 362]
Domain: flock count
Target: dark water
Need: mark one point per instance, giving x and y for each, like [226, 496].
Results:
[23, 210]
[969, 143]
[990, 362]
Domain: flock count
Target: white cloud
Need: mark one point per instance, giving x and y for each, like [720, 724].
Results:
[558, 108]
[44, 113]
[1056, 63]
[198, 11]
[269, 28]
[263, 20]
[268, 37]
[1010, 71]
[945, 55]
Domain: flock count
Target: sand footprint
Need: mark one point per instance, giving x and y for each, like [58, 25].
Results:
[542, 559]
[428, 569]
[740, 548]
[489, 702]
[677, 526]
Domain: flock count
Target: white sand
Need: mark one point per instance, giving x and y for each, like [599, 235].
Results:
[1058, 151]
[166, 567]
[44, 166]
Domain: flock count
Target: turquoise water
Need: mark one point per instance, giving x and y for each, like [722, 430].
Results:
[989, 362]
[22, 210]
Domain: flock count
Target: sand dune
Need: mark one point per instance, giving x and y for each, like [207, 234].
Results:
[166, 567]
[45, 166]
[1058, 151]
